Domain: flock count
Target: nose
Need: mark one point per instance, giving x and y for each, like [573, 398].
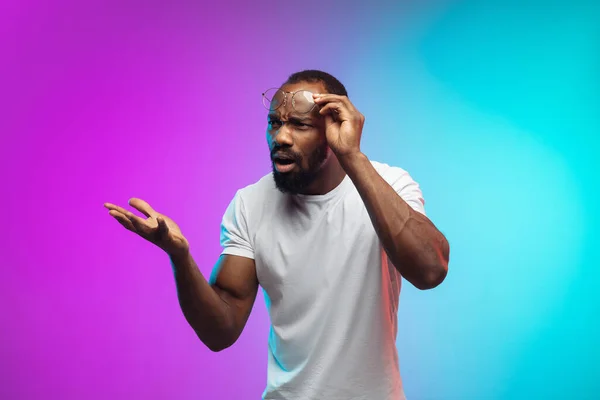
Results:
[283, 136]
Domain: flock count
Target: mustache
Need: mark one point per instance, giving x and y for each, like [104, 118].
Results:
[278, 151]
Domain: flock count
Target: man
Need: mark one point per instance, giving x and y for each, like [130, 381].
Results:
[328, 236]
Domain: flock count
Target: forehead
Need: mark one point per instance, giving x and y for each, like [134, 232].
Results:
[314, 87]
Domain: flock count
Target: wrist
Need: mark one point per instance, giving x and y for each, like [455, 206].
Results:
[353, 162]
[179, 256]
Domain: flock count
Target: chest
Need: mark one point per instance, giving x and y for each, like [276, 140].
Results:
[309, 251]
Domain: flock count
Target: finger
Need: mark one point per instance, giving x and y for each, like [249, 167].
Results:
[337, 110]
[142, 207]
[111, 206]
[122, 219]
[163, 228]
[323, 98]
[142, 226]
[116, 208]
[329, 120]
[329, 96]
[330, 107]
[135, 220]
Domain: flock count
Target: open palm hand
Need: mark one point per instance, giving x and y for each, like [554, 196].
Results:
[156, 228]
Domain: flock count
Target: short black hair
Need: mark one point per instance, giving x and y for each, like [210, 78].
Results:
[332, 84]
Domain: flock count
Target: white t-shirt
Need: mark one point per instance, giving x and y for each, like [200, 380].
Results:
[331, 292]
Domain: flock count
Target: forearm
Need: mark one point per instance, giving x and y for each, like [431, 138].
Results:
[203, 308]
[415, 247]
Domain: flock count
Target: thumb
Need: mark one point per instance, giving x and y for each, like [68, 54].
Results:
[163, 229]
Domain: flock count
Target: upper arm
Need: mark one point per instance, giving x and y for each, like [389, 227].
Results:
[234, 275]
[234, 279]
[407, 188]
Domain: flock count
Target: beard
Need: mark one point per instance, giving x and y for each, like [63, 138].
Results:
[296, 181]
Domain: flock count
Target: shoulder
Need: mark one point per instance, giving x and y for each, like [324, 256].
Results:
[258, 193]
[401, 181]
[252, 203]
[391, 173]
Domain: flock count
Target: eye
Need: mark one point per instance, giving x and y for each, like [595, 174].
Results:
[273, 122]
[300, 125]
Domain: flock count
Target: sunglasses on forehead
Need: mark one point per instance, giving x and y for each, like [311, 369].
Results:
[302, 100]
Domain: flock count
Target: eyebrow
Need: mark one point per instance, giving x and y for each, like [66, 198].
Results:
[301, 119]
[292, 118]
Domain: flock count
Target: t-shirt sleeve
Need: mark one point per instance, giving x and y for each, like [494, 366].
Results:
[235, 238]
[408, 189]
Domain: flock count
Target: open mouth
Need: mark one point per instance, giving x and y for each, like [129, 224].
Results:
[283, 163]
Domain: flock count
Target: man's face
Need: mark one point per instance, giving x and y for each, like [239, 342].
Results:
[297, 139]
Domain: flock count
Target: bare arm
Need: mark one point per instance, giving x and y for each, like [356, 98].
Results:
[418, 250]
[217, 310]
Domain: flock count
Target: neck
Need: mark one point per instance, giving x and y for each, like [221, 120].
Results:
[330, 176]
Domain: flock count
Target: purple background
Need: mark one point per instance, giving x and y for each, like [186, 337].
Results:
[103, 101]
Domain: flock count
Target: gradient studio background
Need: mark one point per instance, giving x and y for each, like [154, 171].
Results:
[492, 106]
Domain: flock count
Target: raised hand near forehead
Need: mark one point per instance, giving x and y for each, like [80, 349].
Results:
[343, 123]
[155, 227]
